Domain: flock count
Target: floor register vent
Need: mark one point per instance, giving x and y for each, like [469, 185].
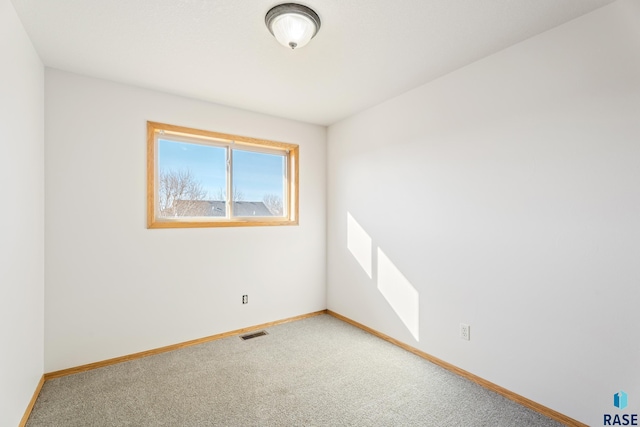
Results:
[253, 335]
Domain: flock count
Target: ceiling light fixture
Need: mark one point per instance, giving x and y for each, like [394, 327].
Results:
[293, 25]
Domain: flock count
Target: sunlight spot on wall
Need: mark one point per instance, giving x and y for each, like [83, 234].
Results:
[359, 244]
[399, 293]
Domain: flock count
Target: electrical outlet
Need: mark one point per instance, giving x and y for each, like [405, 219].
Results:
[465, 331]
[245, 299]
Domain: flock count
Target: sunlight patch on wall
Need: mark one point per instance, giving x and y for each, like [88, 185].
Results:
[399, 293]
[359, 244]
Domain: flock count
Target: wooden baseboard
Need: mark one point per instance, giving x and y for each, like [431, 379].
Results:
[569, 422]
[134, 356]
[27, 412]
[548, 412]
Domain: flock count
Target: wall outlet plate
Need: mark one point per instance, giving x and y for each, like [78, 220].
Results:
[245, 299]
[465, 331]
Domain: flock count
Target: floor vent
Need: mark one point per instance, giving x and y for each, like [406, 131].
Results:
[253, 335]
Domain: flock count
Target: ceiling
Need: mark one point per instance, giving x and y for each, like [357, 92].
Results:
[367, 51]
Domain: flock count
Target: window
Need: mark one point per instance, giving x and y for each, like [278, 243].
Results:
[198, 178]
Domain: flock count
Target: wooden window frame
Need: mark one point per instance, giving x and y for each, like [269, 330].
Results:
[291, 152]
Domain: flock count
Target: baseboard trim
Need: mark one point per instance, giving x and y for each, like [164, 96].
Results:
[27, 412]
[555, 415]
[134, 356]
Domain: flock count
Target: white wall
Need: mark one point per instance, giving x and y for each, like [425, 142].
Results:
[115, 287]
[21, 217]
[505, 195]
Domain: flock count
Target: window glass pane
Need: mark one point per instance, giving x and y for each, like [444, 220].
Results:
[192, 179]
[196, 178]
[258, 184]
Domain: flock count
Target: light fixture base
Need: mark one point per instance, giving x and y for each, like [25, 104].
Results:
[292, 24]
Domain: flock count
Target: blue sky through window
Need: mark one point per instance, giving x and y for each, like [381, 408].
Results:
[254, 174]
[258, 174]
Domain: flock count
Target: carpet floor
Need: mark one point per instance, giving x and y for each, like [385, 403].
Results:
[318, 371]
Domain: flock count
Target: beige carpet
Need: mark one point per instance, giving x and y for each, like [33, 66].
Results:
[314, 372]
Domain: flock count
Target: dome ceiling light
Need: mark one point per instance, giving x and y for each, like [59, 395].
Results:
[293, 25]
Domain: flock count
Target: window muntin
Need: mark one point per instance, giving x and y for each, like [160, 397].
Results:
[191, 174]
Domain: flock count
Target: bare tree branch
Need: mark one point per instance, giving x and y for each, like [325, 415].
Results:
[180, 194]
[273, 202]
[238, 195]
